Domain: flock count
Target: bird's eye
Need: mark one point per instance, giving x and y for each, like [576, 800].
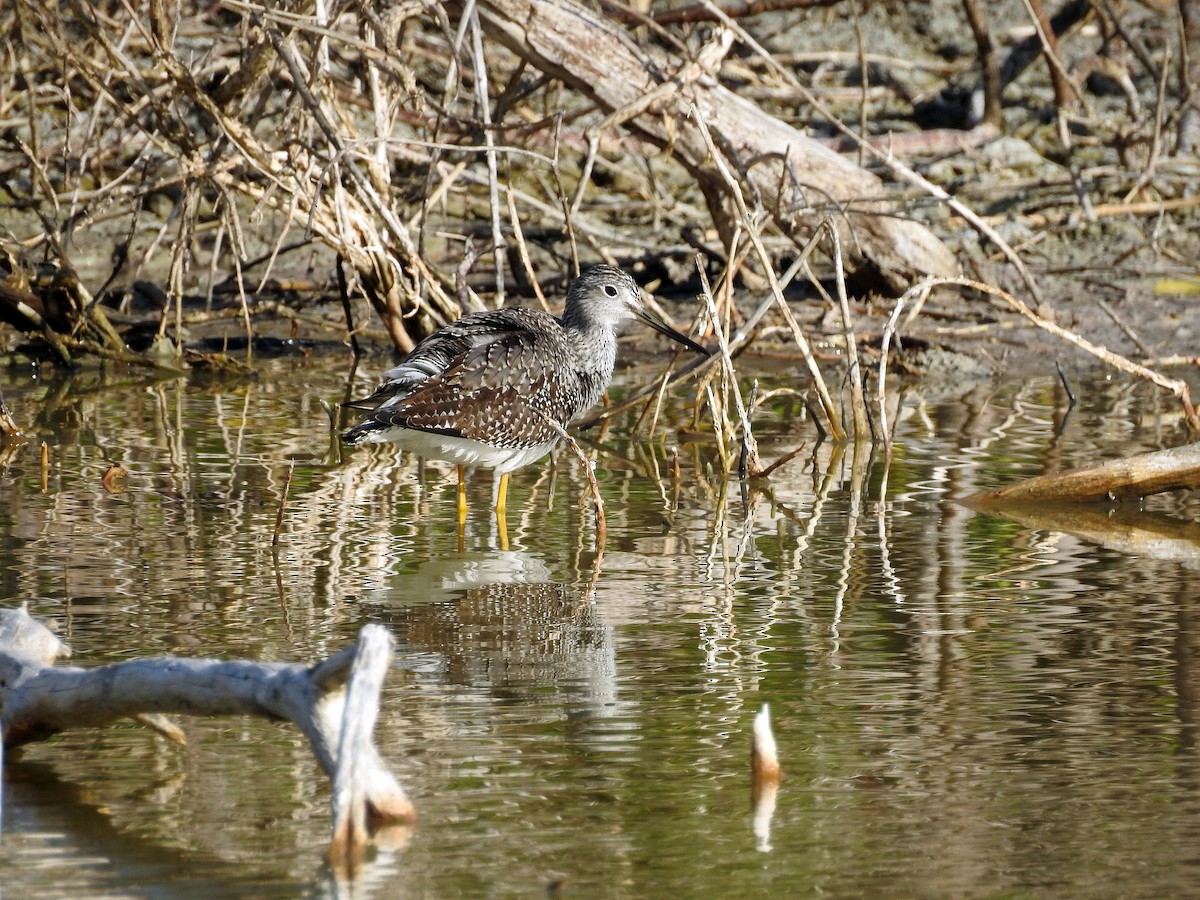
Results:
[610, 290]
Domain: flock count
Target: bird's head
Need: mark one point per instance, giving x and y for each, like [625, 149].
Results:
[607, 297]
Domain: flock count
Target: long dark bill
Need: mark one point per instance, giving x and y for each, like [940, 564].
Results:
[663, 328]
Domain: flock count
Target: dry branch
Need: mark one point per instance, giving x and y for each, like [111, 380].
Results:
[1176, 386]
[40, 699]
[799, 181]
[990, 88]
[703, 12]
[1069, 18]
[1134, 476]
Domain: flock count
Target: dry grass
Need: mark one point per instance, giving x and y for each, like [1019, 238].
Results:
[215, 149]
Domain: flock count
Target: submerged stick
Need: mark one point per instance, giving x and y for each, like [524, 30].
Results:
[351, 780]
[287, 483]
[764, 756]
[601, 522]
[765, 775]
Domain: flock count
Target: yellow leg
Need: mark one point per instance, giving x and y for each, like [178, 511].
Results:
[462, 496]
[502, 530]
[501, 507]
[502, 495]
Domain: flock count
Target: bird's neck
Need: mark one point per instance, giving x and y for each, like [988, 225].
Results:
[595, 357]
[595, 350]
[575, 318]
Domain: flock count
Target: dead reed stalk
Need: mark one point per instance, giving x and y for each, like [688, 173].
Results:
[1178, 387]
[450, 153]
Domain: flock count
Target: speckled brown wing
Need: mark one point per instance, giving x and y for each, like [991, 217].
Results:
[436, 353]
[499, 392]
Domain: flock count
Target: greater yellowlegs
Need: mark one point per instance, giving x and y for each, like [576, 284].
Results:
[495, 389]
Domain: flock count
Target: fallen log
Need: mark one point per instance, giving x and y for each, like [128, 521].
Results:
[800, 182]
[333, 702]
[1133, 476]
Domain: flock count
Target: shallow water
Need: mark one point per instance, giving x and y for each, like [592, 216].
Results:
[965, 705]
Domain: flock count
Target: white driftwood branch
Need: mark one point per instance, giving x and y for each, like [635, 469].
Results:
[357, 777]
[39, 699]
[22, 633]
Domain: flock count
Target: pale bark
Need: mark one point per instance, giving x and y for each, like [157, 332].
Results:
[40, 699]
[798, 181]
[1133, 476]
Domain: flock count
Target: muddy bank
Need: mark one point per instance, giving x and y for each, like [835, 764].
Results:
[199, 193]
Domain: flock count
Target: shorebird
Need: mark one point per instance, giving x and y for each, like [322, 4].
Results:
[496, 389]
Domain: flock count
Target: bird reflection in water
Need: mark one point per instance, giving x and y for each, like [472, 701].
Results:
[496, 620]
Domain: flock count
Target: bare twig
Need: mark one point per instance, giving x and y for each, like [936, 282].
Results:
[862, 428]
[589, 473]
[287, 483]
[751, 224]
[484, 104]
[749, 463]
[992, 114]
[1064, 90]
[1177, 387]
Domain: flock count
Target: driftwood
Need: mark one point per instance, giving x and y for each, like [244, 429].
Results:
[1134, 476]
[334, 702]
[798, 181]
